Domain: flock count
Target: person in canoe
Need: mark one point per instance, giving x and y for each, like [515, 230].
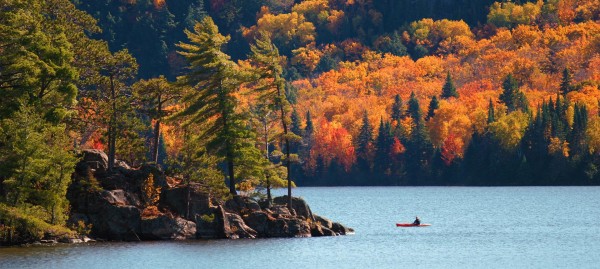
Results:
[417, 221]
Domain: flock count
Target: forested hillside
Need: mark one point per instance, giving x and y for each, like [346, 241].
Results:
[347, 59]
[248, 95]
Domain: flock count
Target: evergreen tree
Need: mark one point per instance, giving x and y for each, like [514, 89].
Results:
[566, 81]
[383, 145]
[577, 136]
[296, 128]
[36, 166]
[433, 105]
[296, 123]
[114, 73]
[414, 109]
[418, 147]
[195, 12]
[155, 95]
[397, 108]
[36, 59]
[307, 143]
[194, 164]
[266, 62]
[275, 173]
[449, 90]
[512, 97]
[309, 129]
[364, 141]
[214, 79]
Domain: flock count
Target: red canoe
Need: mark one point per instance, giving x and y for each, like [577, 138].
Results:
[412, 225]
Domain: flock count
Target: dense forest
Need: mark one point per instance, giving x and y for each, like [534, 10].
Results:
[251, 95]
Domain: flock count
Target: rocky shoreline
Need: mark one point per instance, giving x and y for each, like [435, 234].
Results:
[109, 207]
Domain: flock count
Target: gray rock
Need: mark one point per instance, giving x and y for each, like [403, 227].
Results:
[323, 222]
[238, 228]
[341, 229]
[300, 206]
[282, 227]
[176, 200]
[117, 223]
[298, 228]
[232, 226]
[167, 228]
[95, 159]
[258, 221]
[242, 205]
[280, 211]
[206, 227]
[115, 197]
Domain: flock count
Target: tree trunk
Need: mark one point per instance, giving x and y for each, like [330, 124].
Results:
[157, 132]
[266, 130]
[231, 176]
[111, 127]
[187, 205]
[287, 144]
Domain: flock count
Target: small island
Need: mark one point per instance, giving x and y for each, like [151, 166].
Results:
[145, 204]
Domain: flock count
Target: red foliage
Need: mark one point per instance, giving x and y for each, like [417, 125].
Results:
[451, 149]
[332, 141]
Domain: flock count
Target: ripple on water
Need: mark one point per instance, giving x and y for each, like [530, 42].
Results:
[522, 227]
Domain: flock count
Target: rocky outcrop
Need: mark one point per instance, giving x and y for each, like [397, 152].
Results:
[168, 228]
[298, 205]
[111, 203]
[187, 200]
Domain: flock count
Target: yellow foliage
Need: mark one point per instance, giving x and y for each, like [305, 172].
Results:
[557, 146]
[151, 193]
[450, 118]
[509, 129]
[593, 135]
[307, 57]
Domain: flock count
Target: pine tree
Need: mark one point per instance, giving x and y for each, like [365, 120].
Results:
[364, 139]
[449, 90]
[155, 95]
[114, 72]
[414, 109]
[296, 128]
[36, 59]
[577, 135]
[36, 165]
[383, 145]
[266, 63]
[565, 83]
[195, 12]
[433, 105]
[296, 124]
[214, 79]
[512, 97]
[418, 146]
[265, 120]
[193, 164]
[309, 129]
[397, 108]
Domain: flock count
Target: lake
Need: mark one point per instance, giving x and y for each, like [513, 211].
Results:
[495, 227]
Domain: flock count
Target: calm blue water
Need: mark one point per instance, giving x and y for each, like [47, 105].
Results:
[513, 227]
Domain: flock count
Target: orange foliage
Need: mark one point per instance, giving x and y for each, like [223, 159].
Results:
[159, 4]
[368, 81]
[452, 149]
[332, 141]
